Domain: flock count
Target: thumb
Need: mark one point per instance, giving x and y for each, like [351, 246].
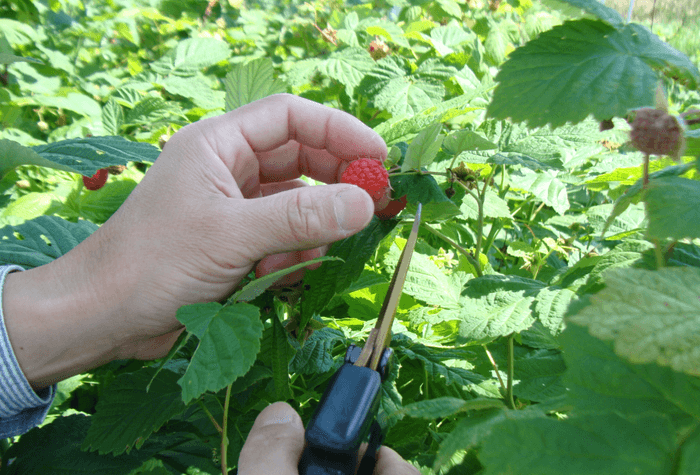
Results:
[274, 444]
[306, 217]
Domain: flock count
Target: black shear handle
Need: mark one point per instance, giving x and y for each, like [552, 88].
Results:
[322, 462]
[344, 418]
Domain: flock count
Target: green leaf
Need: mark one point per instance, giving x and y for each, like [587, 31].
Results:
[112, 117]
[690, 457]
[255, 288]
[463, 140]
[432, 360]
[194, 88]
[629, 253]
[405, 128]
[584, 444]
[498, 305]
[423, 149]
[334, 277]
[6, 58]
[597, 379]
[149, 110]
[392, 88]
[87, 155]
[425, 281]
[347, 66]
[660, 324]
[281, 353]
[191, 56]
[423, 189]
[544, 185]
[580, 68]
[127, 414]
[315, 356]
[54, 449]
[247, 83]
[494, 207]
[672, 208]
[229, 340]
[447, 39]
[539, 374]
[41, 240]
[30, 206]
[448, 406]
[13, 155]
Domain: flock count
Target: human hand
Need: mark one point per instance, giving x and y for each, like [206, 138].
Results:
[276, 441]
[222, 196]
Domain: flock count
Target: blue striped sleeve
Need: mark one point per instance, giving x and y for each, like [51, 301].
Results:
[21, 408]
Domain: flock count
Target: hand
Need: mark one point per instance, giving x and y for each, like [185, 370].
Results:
[222, 196]
[276, 441]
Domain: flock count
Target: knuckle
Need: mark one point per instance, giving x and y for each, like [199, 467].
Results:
[304, 215]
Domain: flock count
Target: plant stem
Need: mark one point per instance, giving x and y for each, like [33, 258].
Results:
[464, 252]
[495, 367]
[224, 435]
[645, 178]
[660, 260]
[511, 371]
[211, 418]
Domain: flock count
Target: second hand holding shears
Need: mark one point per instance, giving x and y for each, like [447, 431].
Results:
[346, 415]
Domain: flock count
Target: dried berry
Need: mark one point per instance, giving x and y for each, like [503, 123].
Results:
[378, 49]
[655, 132]
[116, 169]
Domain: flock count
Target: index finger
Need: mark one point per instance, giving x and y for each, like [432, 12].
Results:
[243, 136]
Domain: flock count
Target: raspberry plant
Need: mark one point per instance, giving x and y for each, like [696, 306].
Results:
[550, 320]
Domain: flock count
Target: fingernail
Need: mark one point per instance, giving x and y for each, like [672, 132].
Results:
[353, 209]
[278, 413]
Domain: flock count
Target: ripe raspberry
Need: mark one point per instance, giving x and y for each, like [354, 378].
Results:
[368, 174]
[96, 181]
[655, 132]
[392, 209]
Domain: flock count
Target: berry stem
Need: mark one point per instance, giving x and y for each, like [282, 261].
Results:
[645, 178]
[464, 252]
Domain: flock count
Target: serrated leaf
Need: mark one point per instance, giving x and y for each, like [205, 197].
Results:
[448, 406]
[494, 207]
[251, 81]
[148, 110]
[447, 39]
[422, 150]
[347, 66]
[659, 325]
[598, 379]
[112, 117]
[405, 128]
[544, 185]
[425, 281]
[255, 288]
[672, 208]
[690, 457]
[194, 88]
[432, 360]
[315, 356]
[498, 305]
[547, 446]
[229, 339]
[423, 189]
[54, 449]
[402, 94]
[333, 278]
[126, 415]
[463, 140]
[41, 240]
[539, 375]
[580, 68]
[281, 353]
[191, 55]
[87, 155]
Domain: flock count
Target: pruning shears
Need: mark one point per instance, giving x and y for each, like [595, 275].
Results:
[347, 413]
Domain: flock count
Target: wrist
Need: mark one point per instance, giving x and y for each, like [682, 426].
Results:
[57, 321]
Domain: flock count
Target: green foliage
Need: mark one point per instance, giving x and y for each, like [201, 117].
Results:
[549, 321]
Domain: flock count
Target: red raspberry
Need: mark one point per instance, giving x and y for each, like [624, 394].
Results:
[368, 174]
[96, 181]
[392, 209]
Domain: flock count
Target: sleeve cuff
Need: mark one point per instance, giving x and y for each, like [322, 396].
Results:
[21, 408]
